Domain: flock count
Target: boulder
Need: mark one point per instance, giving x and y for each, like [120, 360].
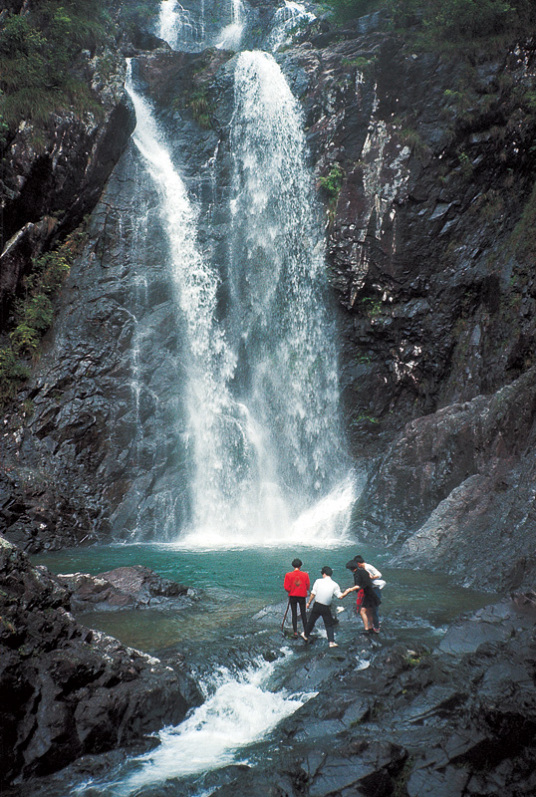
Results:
[65, 690]
[125, 587]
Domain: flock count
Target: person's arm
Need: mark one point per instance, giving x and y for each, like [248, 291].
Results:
[373, 572]
[347, 591]
[311, 598]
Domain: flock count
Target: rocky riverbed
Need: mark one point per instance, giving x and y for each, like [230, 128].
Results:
[395, 714]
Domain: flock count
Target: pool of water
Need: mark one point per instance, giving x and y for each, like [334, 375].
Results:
[232, 586]
[223, 632]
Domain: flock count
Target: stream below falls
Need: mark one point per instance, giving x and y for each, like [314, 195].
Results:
[248, 670]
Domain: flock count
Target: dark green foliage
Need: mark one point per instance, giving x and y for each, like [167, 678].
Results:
[344, 10]
[332, 183]
[138, 15]
[452, 21]
[39, 58]
[201, 107]
[34, 313]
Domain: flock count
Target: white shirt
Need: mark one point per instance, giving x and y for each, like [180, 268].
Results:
[375, 575]
[324, 589]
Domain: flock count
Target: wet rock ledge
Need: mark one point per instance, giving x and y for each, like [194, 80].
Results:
[66, 690]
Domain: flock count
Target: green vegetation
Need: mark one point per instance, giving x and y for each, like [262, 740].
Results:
[344, 10]
[201, 108]
[440, 22]
[41, 62]
[372, 307]
[34, 313]
[331, 185]
[362, 419]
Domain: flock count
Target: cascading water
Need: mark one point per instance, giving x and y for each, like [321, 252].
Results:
[286, 19]
[259, 388]
[231, 35]
[267, 446]
[181, 28]
[277, 319]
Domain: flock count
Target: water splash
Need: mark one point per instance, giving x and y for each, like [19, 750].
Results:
[231, 35]
[240, 711]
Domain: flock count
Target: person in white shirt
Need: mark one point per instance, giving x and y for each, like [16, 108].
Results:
[323, 591]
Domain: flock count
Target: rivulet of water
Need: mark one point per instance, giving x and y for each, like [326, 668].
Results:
[231, 35]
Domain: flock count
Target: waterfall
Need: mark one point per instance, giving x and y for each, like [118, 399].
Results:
[286, 19]
[231, 36]
[257, 394]
[278, 323]
[181, 28]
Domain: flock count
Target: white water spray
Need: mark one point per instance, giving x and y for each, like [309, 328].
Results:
[181, 28]
[240, 711]
[231, 35]
[286, 19]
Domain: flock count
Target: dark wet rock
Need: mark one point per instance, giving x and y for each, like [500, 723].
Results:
[455, 720]
[66, 690]
[466, 474]
[124, 587]
[60, 172]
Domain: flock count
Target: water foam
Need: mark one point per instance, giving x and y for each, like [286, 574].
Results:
[240, 712]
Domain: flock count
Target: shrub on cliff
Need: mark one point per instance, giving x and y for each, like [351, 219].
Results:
[39, 51]
[44, 50]
[34, 313]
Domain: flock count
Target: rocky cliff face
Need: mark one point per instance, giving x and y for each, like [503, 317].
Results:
[425, 166]
[52, 178]
[430, 248]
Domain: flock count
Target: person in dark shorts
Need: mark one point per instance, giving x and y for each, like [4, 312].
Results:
[297, 584]
[378, 584]
[323, 591]
[366, 598]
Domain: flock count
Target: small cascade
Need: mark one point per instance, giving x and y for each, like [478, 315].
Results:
[286, 19]
[181, 28]
[238, 711]
[231, 35]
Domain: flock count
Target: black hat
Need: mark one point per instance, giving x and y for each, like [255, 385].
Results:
[327, 571]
